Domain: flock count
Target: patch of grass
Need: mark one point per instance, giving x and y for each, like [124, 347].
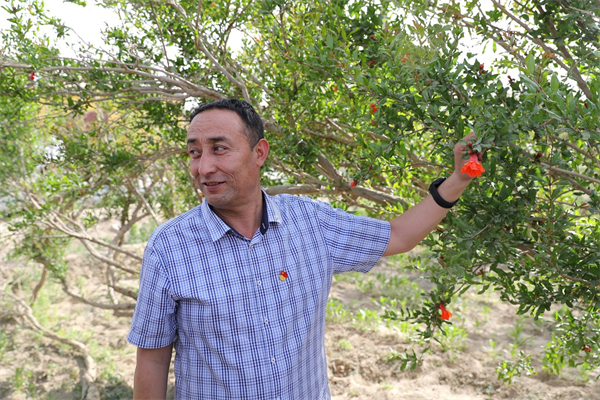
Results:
[44, 307]
[76, 333]
[396, 306]
[453, 338]
[392, 287]
[23, 381]
[345, 345]
[399, 288]
[494, 351]
[405, 328]
[26, 275]
[5, 344]
[345, 277]
[72, 384]
[479, 323]
[364, 283]
[516, 334]
[335, 312]
[517, 331]
[114, 387]
[366, 320]
[388, 292]
[19, 378]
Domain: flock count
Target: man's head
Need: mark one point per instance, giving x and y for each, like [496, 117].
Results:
[224, 162]
[252, 121]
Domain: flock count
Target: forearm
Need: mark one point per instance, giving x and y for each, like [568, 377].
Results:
[417, 222]
[151, 373]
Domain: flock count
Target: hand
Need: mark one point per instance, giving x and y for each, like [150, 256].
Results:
[459, 162]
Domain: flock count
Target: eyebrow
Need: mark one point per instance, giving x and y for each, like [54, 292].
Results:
[212, 139]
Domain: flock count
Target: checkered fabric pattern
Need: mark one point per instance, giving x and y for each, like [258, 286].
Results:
[242, 328]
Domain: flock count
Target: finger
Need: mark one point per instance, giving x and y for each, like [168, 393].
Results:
[471, 135]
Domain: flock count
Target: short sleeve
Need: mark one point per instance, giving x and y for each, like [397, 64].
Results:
[355, 243]
[154, 321]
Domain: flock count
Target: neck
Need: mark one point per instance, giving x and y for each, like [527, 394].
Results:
[245, 220]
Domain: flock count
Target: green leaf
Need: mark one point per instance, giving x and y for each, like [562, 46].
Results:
[530, 63]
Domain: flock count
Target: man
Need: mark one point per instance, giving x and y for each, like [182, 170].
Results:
[240, 283]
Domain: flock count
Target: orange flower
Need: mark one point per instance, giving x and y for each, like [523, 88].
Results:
[374, 108]
[473, 167]
[445, 313]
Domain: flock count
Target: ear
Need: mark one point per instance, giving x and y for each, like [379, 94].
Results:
[262, 151]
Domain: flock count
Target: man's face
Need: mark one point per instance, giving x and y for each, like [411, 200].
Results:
[223, 165]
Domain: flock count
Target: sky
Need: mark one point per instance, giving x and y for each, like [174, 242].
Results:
[87, 21]
[90, 20]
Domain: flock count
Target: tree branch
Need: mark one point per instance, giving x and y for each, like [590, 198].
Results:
[574, 70]
[199, 41]
[366, 193]
[121, 306]
[571, 173]
[143, 199]
[329, 169]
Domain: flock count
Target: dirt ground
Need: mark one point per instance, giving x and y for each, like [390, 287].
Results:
[364, 372]
[35, 367]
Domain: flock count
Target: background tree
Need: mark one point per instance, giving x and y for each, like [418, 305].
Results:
[362, 103]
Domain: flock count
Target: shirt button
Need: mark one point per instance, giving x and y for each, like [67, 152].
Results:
[266, 321]
[258, 283]
[272, 360]
[251, 246]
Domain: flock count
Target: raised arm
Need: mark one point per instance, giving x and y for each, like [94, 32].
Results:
[151, 373]
[415, 224]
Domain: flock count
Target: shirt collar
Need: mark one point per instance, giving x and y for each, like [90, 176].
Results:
[218, 228]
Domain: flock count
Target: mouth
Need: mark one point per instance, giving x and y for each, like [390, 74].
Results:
[212, 184]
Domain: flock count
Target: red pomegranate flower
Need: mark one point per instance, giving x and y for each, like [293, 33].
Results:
[473, 167]
[445, 313]
[374, 108]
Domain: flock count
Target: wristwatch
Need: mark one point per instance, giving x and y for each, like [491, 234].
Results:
[436, 196]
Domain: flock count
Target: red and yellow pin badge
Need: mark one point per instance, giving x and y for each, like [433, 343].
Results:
[283, 276]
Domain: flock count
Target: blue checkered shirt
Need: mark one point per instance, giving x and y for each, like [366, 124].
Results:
[242, 329]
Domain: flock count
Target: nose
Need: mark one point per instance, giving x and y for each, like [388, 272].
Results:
[206, 165]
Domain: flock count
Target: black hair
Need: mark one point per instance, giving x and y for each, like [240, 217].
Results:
[254, 125]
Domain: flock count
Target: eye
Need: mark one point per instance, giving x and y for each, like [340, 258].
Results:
[219, 148]
[193, 153]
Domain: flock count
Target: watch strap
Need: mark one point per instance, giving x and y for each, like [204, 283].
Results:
[436, 195]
